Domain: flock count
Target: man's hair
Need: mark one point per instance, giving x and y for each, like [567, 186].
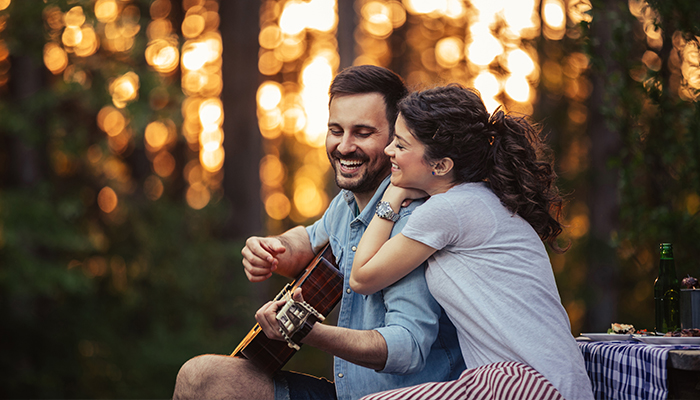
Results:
[363, 79]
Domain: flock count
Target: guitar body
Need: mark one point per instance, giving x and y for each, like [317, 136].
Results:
[321, 284]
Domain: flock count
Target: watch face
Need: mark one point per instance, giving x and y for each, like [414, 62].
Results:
[384, 211]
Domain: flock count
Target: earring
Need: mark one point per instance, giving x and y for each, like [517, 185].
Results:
[433, 173]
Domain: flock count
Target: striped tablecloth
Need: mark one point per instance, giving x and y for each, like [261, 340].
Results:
[627, 369]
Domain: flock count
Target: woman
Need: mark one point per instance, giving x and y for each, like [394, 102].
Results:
[492, 204]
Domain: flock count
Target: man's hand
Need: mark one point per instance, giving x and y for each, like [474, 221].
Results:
[260, 257]
[266, 316]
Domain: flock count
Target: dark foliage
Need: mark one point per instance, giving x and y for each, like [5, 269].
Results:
[95, 304]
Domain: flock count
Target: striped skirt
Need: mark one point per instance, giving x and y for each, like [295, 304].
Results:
[502, 380]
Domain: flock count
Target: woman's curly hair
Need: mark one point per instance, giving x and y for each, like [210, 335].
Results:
[505, 151]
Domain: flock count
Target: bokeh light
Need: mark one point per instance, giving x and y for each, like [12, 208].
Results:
[449, 51]
[202, 82]
[153, 188]
[107, 199]
[298, 38]
[197, 196]
[124, 89]
[106, 10]
[111, 120]
[272, 171]
[156, 135]
[554, 17]
[483, 47]
[489, 87]
[163, 55]
[164, 164]
[55, 58]
[278, 206]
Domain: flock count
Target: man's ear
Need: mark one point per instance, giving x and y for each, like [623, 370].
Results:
[444, 166]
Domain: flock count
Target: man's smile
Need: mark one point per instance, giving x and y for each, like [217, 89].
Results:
[350, 166]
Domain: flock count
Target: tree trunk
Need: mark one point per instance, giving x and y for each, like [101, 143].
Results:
[603, 269]
[346, 32]
[24, 158]
[243, 142]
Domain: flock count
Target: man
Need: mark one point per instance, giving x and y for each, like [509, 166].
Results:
[394, 338]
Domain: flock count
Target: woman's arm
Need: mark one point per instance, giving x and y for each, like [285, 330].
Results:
[392, 261]
[380, 261]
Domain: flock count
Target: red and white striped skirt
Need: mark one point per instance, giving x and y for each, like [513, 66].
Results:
[498, 381]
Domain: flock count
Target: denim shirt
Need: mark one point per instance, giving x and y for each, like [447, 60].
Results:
[422, 342]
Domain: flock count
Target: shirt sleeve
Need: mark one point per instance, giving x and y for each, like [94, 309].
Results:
[412, 318]
[433, 224]
[411, 324]
[318, 231]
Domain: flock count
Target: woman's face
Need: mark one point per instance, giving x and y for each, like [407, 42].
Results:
[408, 167]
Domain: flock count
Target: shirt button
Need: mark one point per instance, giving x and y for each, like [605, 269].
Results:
[348, 291]
[340, 375]
[354, 248]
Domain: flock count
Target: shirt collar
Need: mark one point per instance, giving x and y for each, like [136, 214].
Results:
[367, 214]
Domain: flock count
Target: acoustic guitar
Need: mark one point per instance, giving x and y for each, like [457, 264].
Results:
[321, 283]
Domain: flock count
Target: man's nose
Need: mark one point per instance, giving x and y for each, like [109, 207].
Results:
[347, 144]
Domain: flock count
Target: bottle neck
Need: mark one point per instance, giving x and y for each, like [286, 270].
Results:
[666, 264]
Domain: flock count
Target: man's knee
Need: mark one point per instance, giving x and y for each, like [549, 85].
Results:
[215, 376]
[193, 377]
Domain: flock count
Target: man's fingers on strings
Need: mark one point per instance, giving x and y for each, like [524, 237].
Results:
[297, 295]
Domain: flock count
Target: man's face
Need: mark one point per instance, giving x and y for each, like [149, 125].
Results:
[358, 132]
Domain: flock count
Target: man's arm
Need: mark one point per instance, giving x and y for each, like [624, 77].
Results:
[362, 347]
[286, 254]
[365, 348]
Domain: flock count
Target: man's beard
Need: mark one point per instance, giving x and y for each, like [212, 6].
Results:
[368, 182]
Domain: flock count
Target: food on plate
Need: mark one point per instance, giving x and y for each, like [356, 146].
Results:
[684, 333]
[621, 329]
[689, 282]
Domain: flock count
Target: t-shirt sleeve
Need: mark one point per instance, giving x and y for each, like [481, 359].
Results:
[434, 223]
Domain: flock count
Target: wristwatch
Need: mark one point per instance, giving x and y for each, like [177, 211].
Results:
[385, 211]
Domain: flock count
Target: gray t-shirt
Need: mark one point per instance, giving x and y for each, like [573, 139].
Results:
[493, 277]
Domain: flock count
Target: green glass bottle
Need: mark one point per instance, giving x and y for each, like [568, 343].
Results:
[667, 293]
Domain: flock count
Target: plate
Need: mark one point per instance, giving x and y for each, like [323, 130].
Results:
[606, 337]
[669, 340]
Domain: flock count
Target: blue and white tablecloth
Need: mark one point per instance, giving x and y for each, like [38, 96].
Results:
[627, 369]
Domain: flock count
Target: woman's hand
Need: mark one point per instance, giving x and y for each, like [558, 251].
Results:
[401, 196]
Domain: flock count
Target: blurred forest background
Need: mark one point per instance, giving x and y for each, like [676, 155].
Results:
[124, 206]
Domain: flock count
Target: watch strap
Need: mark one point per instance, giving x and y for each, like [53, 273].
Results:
[296, 319]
